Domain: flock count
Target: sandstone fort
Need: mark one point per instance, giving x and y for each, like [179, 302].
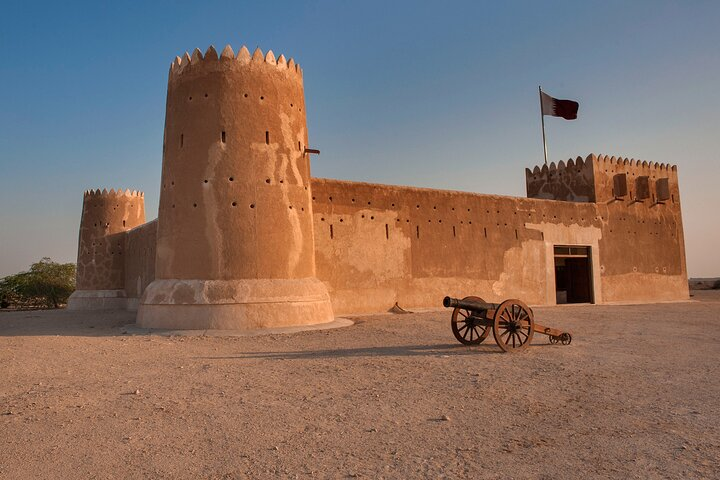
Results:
[246, 238]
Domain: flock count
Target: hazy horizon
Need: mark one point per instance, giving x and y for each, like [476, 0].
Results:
[439, 95]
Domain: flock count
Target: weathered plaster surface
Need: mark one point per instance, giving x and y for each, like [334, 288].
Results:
[139, 261]
[412, 246]
[235, 195]
[106, 217]
[246, 239]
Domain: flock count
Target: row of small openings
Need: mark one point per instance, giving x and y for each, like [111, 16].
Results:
[246, 95]
[469, 210]
[223, 138]
[634, 232]
[99, 244]
[100, 205]
[499, 224]
[250, 205]
[262, 97]
[107, 224]
[417, 229]
[112, 252]
[229, 179]
[654, 222]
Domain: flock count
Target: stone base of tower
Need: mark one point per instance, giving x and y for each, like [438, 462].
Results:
[97, 300]
[234, 304]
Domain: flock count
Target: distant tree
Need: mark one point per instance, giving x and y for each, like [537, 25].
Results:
[716, 285]
[47, 284]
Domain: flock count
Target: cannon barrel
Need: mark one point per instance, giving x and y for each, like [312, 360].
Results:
[450, 302]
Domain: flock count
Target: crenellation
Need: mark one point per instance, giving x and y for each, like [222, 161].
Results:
[211, 60]
[113, 193]
[196, 57]
[243, 55]
[227, 53]
[211, 54]
[595, 178]
[247, 239]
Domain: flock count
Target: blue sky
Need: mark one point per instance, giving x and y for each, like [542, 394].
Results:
[433, 94]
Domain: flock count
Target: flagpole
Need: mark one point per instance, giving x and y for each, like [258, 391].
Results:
[542, 122]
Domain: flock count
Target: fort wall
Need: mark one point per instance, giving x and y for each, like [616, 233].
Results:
[140, 243]
[379, 244]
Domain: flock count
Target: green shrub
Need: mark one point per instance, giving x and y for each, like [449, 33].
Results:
[46, 285]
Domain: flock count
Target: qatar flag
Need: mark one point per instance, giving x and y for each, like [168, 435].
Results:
[566, 109]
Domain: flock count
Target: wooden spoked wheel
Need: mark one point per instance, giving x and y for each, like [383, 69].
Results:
[514, 325]
[467, 328]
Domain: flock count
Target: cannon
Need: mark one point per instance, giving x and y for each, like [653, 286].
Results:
[512, 323]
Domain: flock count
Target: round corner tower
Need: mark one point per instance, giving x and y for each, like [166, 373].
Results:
[235, 245]
[106, 216]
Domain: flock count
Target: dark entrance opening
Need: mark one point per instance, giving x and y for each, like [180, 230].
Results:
[573, 274]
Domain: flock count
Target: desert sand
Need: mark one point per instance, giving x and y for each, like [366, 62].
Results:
[636, 395]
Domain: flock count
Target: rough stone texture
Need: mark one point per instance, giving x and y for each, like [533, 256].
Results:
[106, 216]
[234, 304]
[573, 181]
[240, 244]
[413, 246]
[139, 261]
[98, 300]
[235, 197]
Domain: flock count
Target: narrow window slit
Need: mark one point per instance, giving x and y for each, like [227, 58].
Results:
[417, 231]
[453, 230]
[331, 232]
[387, 231]
[182, 138]
[222, 137]
[267, 137]
[485, 231]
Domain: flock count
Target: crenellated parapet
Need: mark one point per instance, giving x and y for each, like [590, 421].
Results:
[199, 63]
[634, 181]
[571, 181]
[113, 193]
[624, 162]
[106, 216]
[603, 178]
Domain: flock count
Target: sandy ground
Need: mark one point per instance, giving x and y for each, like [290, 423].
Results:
[636, 395]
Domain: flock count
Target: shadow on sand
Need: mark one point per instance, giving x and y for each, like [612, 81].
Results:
[442, 351]
[61, 322]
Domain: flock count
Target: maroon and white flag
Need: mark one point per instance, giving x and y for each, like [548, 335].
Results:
[566, 109]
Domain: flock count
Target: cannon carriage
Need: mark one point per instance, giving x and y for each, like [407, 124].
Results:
[512, 323]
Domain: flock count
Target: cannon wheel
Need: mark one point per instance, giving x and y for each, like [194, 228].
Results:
[514, 325]
[464, 328]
